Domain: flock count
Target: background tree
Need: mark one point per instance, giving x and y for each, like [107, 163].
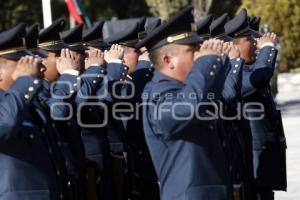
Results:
[283, 17]
[165, 8]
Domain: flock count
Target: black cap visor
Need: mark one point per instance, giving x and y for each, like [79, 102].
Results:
[39, 52]
[254, 33]
[191, 39]
[98, 44]
[78, 47]
[225, 38]
[54, 47]
[17, 55]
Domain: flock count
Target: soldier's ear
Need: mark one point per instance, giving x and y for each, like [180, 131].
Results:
[166, 59]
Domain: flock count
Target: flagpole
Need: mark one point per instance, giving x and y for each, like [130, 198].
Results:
[47, 14]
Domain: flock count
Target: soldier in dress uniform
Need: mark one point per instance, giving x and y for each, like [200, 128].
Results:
[32, 162]
[95, 138]
[268, 141]
[142, 180]
[180, 148]
[59, 86]
[230, 93]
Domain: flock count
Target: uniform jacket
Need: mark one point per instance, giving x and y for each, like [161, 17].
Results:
[187, 154]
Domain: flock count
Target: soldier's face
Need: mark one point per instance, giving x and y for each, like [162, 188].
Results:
[130, 59]
[79, 57]
[7, 67]
[51, 74]
[247, 48]
[182, 60]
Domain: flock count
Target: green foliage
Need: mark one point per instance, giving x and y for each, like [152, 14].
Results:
[165, 8]
[283, 17]
[30, 11]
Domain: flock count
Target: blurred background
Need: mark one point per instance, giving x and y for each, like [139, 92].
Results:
[279, 16]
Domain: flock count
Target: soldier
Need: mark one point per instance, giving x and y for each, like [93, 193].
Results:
[238, 151]
[268, 141]
[142, 177]
[182, 150]
[95, 138]
[34, 164]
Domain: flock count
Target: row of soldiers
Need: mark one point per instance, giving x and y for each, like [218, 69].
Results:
[130, 116]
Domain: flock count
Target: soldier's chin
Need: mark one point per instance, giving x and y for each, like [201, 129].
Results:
[252, 60]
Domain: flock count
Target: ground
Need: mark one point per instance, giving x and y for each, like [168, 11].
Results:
[289, 103]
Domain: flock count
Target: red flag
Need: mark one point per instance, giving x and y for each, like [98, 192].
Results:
[74, 11]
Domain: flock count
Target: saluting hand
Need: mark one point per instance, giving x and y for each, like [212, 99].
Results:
[116, 52]
[267, 38]
[209, 47]
[67, 61]
[28, 66]
[95, 57]
[231, 50]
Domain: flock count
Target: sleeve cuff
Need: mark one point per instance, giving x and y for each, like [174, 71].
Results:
[26, 86]
[115, 61]
[270, 44]
[71, 72]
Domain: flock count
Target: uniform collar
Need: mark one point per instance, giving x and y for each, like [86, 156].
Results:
[161, 77]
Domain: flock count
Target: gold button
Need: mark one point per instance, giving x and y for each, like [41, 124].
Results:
[26, 96]
[36, 81]
[30, 89]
